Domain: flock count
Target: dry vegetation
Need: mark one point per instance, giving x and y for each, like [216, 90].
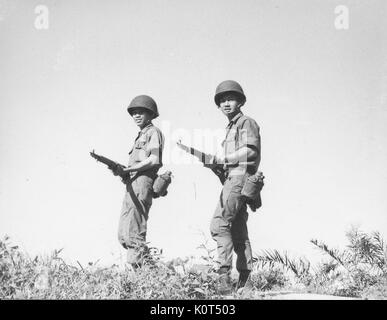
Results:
[359, 270]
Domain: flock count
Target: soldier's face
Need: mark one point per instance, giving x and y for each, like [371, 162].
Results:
[141, 117]
[229, 104]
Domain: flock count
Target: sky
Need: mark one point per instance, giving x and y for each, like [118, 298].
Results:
[318, 93]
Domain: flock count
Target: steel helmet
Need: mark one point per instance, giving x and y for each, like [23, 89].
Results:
[146, 102]
[229, 86]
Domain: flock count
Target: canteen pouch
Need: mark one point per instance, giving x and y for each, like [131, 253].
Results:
[161, 183]
[252, 190]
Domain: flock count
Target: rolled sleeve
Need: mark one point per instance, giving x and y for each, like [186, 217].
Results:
[249, 134]
[155, 143]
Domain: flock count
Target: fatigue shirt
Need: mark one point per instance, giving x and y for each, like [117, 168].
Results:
[242, 131]
[150, 140]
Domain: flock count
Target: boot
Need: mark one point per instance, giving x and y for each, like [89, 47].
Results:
[243, 277]
[224, 282]
[245, 285]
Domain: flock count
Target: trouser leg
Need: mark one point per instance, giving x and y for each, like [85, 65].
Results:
[230, 205]
[220, 231]
[242, 248]
[241, 242]
[133, 223]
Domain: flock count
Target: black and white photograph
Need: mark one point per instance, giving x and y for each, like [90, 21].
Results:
[168, 150]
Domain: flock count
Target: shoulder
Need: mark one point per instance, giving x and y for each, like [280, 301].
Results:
[154, 130]
[247, 122]
[155, 134]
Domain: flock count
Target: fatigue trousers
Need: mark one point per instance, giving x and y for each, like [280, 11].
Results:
[133, 219]
[229, 226]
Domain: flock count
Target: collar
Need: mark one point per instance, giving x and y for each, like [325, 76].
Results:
[146, 128]
[235, 119]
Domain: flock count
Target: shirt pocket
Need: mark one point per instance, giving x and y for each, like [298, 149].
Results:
[140, 151]
[141, 144]
[230, 143]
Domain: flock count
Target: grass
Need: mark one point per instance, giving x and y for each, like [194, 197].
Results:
[359, 270]
[50, 277]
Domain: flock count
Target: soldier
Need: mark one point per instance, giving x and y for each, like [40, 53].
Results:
[240, 158]
[145, 159]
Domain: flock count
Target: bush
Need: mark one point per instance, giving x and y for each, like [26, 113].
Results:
[360, 270]
[269, 279]
[52, 278]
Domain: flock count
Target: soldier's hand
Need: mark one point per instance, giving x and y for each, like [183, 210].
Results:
[220, 159]
[124, 173]
[215, 161]
[210, 162]
[209, 165]
[125, 180]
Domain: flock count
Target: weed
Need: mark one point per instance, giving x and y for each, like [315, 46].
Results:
[359, 270]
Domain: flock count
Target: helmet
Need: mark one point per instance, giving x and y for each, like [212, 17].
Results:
[229, 86]
[146, 102]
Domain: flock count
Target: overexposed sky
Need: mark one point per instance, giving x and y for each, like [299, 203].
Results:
[318, 93]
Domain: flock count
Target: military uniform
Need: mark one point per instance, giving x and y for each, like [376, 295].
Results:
[229, 223]
[135, 208]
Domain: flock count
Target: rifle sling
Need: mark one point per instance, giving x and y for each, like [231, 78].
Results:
[133, 196]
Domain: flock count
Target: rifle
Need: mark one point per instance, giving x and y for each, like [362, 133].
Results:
[206, 159]
[112, 165]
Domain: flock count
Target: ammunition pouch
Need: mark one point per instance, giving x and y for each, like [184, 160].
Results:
[251, 190]
[161, 183]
